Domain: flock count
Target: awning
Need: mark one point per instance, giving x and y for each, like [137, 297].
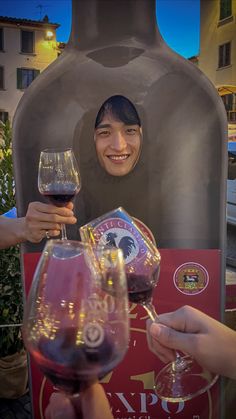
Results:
[226, 89]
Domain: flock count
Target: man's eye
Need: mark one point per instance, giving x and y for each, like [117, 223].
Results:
[103, 133]
[131, 131]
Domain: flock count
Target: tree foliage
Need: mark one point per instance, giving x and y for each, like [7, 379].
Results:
[11, 299]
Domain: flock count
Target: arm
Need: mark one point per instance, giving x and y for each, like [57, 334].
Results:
[92, 403]
[9, 232]
[39, 218]
[210, 342]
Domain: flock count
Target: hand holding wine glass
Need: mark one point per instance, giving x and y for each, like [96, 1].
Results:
[92, 403]
[183, 378]
[193, 331]
[58, 178]
[76, 319]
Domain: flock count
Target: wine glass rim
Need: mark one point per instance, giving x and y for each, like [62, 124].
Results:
[77, 243]
[56, 150]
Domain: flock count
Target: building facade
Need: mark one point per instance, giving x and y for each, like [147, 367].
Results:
[27, 47]
[217, 58]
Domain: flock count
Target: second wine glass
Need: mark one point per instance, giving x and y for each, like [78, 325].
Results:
[58, 178]
[184, 378]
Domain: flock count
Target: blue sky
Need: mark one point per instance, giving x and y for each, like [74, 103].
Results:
[178, 20]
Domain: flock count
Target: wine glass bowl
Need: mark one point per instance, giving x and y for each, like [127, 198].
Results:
[58, 177]
[76, 323]
[142, 258]
[142, 278]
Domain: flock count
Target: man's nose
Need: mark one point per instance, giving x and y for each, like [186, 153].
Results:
[118, 141]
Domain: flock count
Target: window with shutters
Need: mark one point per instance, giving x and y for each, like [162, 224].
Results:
[230, 106]
[25, 76]
[225, 9]
[3, 116]
[1, 40]
[1, 78]
[27, 42]
[224, 55]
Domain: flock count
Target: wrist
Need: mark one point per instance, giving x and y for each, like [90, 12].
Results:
[20, 230]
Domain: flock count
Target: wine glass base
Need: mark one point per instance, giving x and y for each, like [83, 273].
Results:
[175, 386]
[67, 251]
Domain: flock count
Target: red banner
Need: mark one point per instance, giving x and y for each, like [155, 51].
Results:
[187, 277]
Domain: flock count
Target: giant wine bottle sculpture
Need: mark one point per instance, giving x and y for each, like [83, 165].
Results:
[177, 187]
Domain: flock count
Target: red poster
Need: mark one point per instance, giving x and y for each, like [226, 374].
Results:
[187, 277]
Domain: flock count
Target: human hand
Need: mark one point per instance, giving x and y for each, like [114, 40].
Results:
[92, 403]
[42, 217]
[61, 407]
[187, 329]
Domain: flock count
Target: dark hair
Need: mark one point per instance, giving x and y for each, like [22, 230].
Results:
[121, 109]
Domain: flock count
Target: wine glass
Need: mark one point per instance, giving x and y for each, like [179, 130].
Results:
[76, 324]
[184, 378]
[142, 258]
[58, 178]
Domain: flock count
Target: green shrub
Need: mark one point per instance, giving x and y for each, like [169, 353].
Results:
[7, 184]
[11, 300]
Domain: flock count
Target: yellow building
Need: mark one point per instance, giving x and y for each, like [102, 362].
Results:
[27, 47]
[217, 58]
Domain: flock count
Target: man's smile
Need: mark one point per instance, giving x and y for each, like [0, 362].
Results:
[118, 158]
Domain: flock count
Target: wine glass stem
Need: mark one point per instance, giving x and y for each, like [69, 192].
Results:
[63, 232]
[150, 309]
[179, 364]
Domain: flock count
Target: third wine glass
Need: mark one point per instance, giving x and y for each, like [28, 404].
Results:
[76, 324]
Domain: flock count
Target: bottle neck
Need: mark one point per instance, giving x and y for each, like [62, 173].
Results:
[105, 22]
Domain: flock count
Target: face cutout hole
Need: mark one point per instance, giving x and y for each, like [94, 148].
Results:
[118, 135]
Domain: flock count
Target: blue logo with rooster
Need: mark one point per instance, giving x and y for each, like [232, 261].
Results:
[121, 237]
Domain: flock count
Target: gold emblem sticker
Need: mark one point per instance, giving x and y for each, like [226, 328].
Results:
[93, 335]
[191, 278]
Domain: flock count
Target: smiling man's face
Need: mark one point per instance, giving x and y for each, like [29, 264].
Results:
[118, 145]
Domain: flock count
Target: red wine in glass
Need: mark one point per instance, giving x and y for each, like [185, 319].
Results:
[58, 178]
[78, 366]
[60, 196]
[76, 320]
[140, 288]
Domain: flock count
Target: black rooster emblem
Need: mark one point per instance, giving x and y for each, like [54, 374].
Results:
[126, 243]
